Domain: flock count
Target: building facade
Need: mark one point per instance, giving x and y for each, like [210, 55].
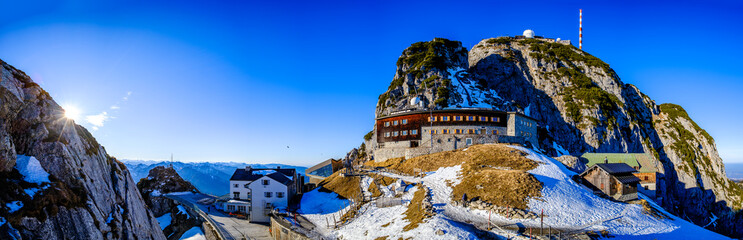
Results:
[415, 133]
[255, 192]
[613, 179]
[646, 166]
[322, 170]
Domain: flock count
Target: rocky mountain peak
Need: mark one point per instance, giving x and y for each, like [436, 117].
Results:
[164, 180]
[84, 194]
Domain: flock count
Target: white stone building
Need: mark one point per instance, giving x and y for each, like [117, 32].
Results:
[255, 192]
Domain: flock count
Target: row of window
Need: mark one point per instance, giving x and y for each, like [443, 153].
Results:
[395, 122]
[525, 123]
[236, 195]
[464, 131]
[467, 118]
[401, 133]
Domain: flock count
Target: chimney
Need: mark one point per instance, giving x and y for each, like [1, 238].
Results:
[278, 167]
[248, 168]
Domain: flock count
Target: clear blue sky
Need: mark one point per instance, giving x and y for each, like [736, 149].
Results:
[297, 82]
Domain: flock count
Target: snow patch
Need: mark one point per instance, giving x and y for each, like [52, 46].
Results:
[316, 202]
[472, 96]
[14, 206]
[560, 150]
[182, 210]
[110, 218]
[156, 193]
[194, 233]
[164, 221]
[31, 169]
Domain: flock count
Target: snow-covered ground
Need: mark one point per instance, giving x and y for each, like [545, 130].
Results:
[567, 206]
[182, 210]
[194, 233]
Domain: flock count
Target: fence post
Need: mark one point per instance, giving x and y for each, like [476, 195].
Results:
[541, 223]
[489, 211]
[327, 223]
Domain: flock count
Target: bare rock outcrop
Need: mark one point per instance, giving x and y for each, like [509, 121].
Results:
[163, 180]
[88, 194]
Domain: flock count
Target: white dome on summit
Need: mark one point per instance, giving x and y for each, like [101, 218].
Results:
[415, 101]
[528, 33]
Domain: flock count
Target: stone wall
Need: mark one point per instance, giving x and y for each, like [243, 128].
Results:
[282, 230]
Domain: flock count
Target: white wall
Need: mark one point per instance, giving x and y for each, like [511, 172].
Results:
[240, 188]
[259, 198]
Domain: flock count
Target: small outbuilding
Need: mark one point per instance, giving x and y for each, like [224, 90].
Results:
[614, 179]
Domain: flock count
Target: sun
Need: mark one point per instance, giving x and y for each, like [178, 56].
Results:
[71, 112]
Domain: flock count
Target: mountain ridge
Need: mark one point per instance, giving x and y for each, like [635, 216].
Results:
[582, 106]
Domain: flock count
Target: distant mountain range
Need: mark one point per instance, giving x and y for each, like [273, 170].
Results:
[209, 177]
[734, 170]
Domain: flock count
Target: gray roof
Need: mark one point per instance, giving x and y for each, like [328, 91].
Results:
[616, 168]
[626, 179]
[281, 175]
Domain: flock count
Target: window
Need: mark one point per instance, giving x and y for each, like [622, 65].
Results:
[431, 119]
[387, 134]
[470, 131]
[237, 185]
[495, 119]
[268, 205]
[404, 132]
[646, 187]
[230, 208]
[495, 132]
[241, 208]
[646, 178]
[267, 194]
[279, 194]
[457, 118]
[386, 124]
[445, 118]
[468, 141]
[470, 118]
[414, 132]
[457, 131]
[265, 182]
[394, 123]
[236, 195]
[404, 121]
[483, 119]
[445, 131]
[395, 133]
[433, 131]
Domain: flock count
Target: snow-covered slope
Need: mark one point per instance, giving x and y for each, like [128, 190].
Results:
[568, 207]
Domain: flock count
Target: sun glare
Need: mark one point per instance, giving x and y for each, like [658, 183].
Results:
[71, 112]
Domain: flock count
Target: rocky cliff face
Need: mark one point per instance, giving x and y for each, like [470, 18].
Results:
[582, 106]
[163, 180]
[87, 193]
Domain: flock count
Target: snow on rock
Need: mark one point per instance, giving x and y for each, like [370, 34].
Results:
[156, 193]
[471, 94]
[182, 210]
[194, 233]
[110, 218]
[179, 193]
[14, 206]
[560, 150]
[31, 169]
[2, 221]
[164, 221]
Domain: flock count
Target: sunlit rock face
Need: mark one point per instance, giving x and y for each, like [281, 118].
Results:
[89, 195]
[581, 105]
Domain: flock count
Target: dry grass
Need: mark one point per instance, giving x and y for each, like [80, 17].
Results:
[381, 238]
[386, 224]
[374, 189]
[651, 211]
[494, 173]
[415, 213]
[346, 187]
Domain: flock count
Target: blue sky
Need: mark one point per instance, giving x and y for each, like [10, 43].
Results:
[297, 82]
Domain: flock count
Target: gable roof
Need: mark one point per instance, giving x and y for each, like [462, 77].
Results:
[282, 175]
[643, 161]
[626, 179]
[616, 168]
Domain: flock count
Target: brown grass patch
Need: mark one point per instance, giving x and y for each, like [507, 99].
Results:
[386, 224]
[381, 238]
[495, 173]
[651, 211]
[415, 213]
[374, 189]
[346, 187]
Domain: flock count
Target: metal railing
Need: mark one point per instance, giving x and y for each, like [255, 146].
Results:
[221, 232]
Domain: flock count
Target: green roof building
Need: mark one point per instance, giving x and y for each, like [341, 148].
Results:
[641, 162]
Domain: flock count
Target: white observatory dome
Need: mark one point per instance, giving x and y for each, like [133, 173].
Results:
[528, 33]
[415, 101]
